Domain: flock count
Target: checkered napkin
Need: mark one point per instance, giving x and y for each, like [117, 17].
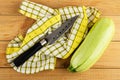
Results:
[47, 20]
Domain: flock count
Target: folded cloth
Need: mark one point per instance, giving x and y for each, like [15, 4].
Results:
[47, 20]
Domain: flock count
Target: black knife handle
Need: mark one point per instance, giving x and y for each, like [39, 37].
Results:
[27, 54]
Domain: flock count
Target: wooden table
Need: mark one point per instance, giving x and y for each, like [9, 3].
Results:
[12, 23]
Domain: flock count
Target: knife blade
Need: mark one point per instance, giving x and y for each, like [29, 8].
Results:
[48, 40]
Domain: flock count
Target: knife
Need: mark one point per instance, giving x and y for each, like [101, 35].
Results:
[48, 40]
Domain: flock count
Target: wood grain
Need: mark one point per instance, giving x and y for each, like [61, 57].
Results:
[10, 7]
[107, 7]
[10, 26]
[105, 61]
[62, 74]
[13, 23]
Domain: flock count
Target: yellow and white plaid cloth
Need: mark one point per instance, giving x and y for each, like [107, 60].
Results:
[47, 20]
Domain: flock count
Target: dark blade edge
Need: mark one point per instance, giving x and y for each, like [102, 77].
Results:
[51, 38]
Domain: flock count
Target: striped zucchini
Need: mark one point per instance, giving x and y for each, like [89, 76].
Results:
[93, 46]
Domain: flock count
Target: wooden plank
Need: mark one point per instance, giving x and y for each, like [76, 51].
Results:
[107, 7]
[110, 58]
[3, 60]
[62, 74]
[12, 23]
[10, 26]
[10, 7]
[116, 20]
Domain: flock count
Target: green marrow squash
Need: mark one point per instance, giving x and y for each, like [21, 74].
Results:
[93, 46]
